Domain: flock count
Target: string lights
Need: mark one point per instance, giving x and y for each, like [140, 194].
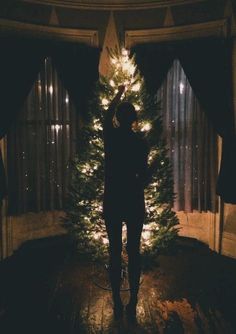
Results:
[85, 217]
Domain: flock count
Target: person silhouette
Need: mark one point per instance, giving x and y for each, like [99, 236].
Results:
[125, 173]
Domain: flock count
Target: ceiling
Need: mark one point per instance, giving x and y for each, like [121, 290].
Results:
[114, 4]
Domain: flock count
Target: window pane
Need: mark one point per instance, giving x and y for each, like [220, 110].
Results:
[40, 145]
[191, 141]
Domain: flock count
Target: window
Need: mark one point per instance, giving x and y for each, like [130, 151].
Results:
[192, 144]
[40, 146]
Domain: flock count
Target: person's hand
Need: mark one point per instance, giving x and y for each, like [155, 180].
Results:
[121, 88]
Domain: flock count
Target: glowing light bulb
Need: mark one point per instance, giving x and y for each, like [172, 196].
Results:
[137, 107]
[96, 236]
[105, 241]
[105, 101]
[112, 83]
[124, 52]
[146, 127]
[136, 87]
[97, 126]
[131, 69]
[146, 235]
[126, 66]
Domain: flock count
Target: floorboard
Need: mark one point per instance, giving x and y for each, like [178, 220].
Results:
[46, 288]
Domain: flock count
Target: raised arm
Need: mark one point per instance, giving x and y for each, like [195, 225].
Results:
[109, 114]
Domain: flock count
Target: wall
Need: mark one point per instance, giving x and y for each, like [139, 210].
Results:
[229, 233]
[35, 226]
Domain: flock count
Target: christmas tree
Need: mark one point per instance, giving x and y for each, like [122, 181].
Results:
[84, 204]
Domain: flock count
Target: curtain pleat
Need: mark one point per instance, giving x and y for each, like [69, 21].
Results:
[20, 62]
[40, 132]
[207, 64]
[77, 66]
[154, 61]
[40, 142]
[191, 142]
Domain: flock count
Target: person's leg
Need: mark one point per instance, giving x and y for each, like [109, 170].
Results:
[134, 230]
[114, 231]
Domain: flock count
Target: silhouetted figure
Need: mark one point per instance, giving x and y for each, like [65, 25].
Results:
[125, 173]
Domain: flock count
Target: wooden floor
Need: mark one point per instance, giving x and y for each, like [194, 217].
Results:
[45, 288]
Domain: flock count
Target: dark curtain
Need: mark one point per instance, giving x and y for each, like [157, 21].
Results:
[77, 66]
[191, 143]
[19, 64]
[20, 61]
[154, 61]
[41, 143]
[207, 64]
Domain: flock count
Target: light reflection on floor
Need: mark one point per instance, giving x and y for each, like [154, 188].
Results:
[154, 315]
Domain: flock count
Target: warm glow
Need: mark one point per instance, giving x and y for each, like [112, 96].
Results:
[112, 83]
[136, 87]
[97, 126]
[124, 52]
[146, 127]
[105, 101]
[128, 67]
[137, 107]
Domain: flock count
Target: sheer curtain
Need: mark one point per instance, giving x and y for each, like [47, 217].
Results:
[40, 145]
[192, 144]
[20, 62]
[208, 65]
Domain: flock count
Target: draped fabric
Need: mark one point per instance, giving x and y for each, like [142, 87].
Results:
[154, 61]
[77, 66]
[191, 143]
[41, 143]
[19, 65]
[20, 62]
[207, 64]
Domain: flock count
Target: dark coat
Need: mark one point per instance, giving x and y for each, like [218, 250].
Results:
[125, 172]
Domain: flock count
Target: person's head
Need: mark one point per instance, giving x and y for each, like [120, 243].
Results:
[126, 114]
